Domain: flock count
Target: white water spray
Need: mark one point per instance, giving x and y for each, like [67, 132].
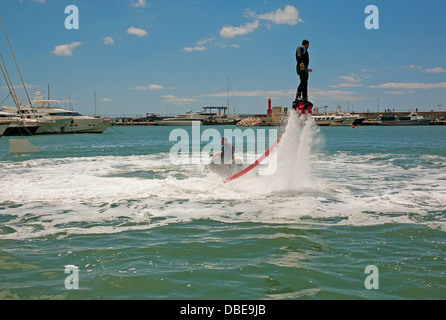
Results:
[292, 167]
[294, 155]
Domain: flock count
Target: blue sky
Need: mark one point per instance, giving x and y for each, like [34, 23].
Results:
[144, 56]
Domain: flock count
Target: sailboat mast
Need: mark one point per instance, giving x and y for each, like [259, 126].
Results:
[230, 87]
[17, 65]
[9, 83]
[227, 93]
[95, 105]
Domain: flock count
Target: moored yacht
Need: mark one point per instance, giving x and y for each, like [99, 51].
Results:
[412, 119]
[348, 118]
[327, 120]
[208, 116]
[47, 125]
[18, 126]
[74, 122]
[3, 128]
[185, 119]
[347, 121]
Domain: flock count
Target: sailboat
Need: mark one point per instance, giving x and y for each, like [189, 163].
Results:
[226, 118]
[44, 118]
[21, 124]
[234, 118]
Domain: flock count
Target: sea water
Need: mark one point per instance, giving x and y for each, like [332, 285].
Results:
[137, 226]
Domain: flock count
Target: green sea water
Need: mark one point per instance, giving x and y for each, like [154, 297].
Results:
[137, 225]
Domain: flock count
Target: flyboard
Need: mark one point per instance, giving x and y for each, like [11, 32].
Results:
[302, 108]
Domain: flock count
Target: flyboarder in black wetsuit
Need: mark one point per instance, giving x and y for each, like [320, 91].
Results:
[303, 61]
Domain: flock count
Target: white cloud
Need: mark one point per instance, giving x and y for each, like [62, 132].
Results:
[231, 32]
[175, 100]
[336, 95]
[66, 49]
[139, 4]
[427, 70]
[350, 78]
[222, 45]
[411, 66]
[109, 40]
[346, 85]
[204, 41]
[255, 93]
[410, 85]
[37, 1]
[146, 88]
[435, 70]
[106, 100]
[399, 92]
[137, 32]
[196, 48]
[349, 81]
[199, 45]
[339, 95]
[20, 86]
[290, 16]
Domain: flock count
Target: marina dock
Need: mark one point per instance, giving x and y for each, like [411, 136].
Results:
[435, 117]
[275, 117]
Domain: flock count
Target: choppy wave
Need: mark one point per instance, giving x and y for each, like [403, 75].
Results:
[109, 194]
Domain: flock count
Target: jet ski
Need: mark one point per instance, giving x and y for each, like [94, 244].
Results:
[225, 169]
